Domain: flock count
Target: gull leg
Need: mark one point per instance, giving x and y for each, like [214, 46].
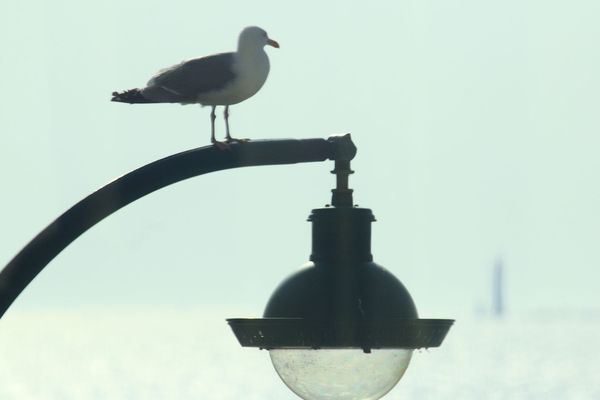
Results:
[228, 137]
[212, 125]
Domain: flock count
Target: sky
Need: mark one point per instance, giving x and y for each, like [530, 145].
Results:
[476, 124]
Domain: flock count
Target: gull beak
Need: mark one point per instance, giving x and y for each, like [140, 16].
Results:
[273, 43]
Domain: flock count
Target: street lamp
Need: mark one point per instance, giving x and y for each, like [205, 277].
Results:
[341, 328]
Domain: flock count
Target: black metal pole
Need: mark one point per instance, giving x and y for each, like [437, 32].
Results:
[25, 266]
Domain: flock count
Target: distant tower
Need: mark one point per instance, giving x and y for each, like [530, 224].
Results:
[497, 288]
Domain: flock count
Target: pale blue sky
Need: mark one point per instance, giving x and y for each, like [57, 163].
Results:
[476, 123]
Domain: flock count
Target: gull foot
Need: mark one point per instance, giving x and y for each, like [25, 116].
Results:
[222, 145]
[235, 140]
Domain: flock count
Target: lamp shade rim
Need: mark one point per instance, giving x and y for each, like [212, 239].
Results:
[295, 333]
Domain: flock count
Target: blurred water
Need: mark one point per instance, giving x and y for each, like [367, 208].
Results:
[139, 354]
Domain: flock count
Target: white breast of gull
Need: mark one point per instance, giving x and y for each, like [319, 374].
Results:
[216, 80]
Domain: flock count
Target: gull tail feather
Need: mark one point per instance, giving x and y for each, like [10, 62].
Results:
[130, 96]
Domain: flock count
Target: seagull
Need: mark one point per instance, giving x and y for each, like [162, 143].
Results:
[217, 80]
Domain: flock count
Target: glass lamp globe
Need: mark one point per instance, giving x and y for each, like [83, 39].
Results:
[340, 374]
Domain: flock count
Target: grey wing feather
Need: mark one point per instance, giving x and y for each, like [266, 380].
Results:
[184, 82]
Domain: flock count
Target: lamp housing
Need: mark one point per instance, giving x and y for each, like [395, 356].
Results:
[341, 298]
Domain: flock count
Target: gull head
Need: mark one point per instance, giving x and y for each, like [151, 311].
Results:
[253, 36]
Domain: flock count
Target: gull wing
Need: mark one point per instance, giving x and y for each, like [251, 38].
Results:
[184, 82]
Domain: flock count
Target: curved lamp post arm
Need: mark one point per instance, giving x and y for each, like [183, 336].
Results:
[25, 266]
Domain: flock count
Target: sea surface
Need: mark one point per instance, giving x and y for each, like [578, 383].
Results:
[146, 353]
